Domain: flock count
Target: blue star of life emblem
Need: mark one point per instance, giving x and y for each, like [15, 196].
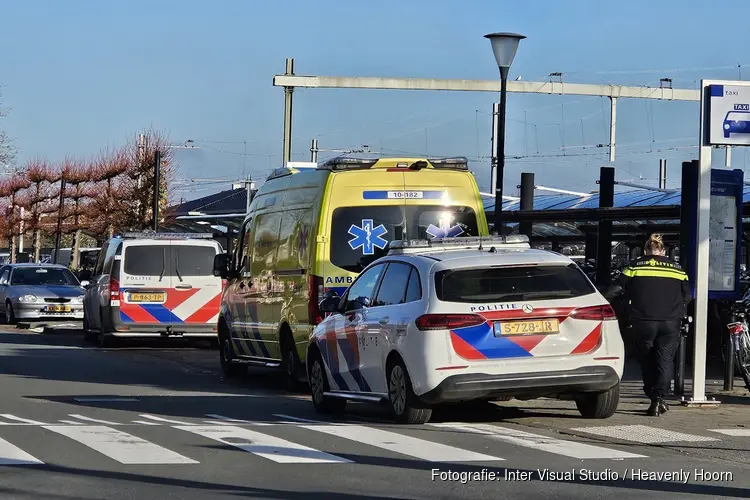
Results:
[444, 231]
[367, 237]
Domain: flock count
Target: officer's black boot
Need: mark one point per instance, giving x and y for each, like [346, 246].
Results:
[657, 408]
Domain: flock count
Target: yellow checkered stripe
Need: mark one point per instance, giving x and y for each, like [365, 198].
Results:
[655, 272]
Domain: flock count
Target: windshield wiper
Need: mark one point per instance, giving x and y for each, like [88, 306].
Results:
[177, 265]
[163, 263]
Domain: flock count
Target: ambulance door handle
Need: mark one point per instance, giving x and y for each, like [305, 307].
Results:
[384, 321]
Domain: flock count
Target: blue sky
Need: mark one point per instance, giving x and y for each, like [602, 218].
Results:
[81, 75]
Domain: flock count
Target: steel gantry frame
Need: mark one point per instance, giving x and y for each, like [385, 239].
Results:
[289, 81]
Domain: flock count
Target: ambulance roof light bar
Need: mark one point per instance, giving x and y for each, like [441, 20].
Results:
[149, 235]
[476, 242]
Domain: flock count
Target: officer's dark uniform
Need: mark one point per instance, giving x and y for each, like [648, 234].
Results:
[658, 291]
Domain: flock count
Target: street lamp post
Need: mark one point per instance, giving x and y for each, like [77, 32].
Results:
[504, 45]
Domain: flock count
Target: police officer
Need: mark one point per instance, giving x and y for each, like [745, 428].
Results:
[658, 291]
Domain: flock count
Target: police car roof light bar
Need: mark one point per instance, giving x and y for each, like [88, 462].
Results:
[167, 236]
[516, 240]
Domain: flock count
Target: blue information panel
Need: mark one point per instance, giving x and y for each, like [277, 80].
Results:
[725, 231]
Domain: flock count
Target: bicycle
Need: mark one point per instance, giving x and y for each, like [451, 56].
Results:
[739, 334]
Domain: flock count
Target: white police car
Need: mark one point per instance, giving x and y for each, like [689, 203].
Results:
[446, 321]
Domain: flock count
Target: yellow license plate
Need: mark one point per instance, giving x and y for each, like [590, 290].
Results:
[536, 327]
[58, 309]
[147, 297]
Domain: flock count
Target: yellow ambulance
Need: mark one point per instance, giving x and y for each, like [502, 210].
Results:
[310, 230]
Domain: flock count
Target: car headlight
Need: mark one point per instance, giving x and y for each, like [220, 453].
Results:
[28, 298]
[77, 300]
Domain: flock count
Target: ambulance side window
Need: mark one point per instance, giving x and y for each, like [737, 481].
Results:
[241, 252]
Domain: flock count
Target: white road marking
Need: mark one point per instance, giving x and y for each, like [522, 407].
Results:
[299, 419]
[70, 422]
[104, 400]
[166, 420]
[227, 420]
[13, 455]
[144, 422]
[732, 432]
[120, 446]
[19, 419]
[643, 434]
[89, 419]
[400, 443]
[538, 442]
[270, 447]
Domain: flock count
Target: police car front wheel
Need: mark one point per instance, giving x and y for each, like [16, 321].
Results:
[319, 386]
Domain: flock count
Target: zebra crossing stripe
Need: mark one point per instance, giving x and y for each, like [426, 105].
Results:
[15, 419]
[732, 432]
[402, 444]
[13, 455]
[165, 420]
[538, 442]
[120, 446]
[89, 419]
[266, 446]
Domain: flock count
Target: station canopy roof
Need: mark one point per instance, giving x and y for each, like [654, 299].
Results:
[224, 212]
[623, 198]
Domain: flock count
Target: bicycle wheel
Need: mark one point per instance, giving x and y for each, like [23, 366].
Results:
[742, 356]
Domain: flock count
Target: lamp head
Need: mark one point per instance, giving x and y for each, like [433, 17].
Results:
[504, 46]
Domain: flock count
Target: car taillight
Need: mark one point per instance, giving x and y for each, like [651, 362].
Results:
[114, 289]
[314, 296]
[447, 321]
[596, 313]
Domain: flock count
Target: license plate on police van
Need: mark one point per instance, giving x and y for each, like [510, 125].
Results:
[57, 309]
[147, 297]
[535, 327]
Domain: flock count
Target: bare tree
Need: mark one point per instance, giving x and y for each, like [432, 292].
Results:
[7, 150]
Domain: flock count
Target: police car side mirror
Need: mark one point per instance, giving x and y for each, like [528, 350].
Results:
[330, 304]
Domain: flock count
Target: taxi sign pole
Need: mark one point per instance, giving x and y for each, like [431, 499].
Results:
[701, 259]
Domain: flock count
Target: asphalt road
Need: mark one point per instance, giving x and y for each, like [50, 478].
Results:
[79, 422]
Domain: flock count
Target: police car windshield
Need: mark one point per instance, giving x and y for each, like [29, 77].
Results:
[359, 235]
[503, 284]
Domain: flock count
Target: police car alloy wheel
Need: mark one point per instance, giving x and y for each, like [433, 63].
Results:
[405, 406]
[319, 386]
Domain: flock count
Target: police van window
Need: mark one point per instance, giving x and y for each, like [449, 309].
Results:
[193, 260]
[414, 288]
[98, 270]
[364, 286]
[512, 283]
[393, 289]
[146, 260]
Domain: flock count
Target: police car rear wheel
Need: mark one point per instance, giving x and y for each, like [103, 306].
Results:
[405, 406]
[319, 386]
[599, 404]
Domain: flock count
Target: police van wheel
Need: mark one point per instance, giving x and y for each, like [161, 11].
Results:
[405, 407]
[226, 355]
[88, 335]
[599, 404]
[319, 386]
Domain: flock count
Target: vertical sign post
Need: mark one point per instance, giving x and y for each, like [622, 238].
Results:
[725, 120]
